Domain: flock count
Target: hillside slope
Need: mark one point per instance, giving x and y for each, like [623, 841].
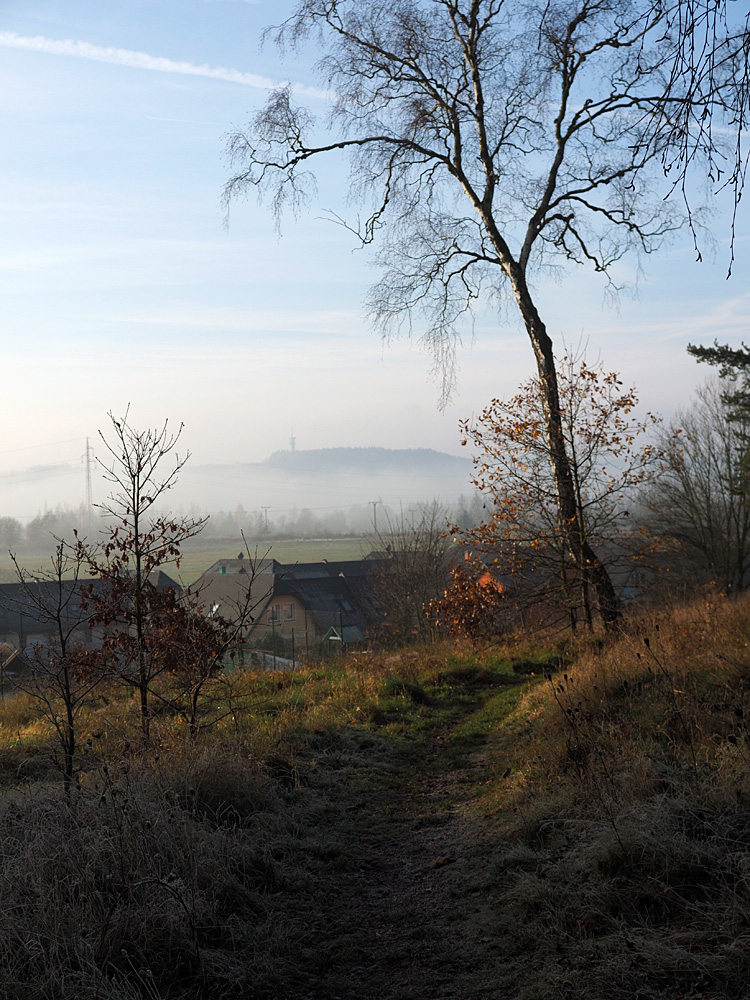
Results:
[433, 824]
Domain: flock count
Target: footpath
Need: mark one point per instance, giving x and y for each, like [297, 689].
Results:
[403, 902]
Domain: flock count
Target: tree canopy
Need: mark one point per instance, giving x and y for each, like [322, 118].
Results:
[734, 366]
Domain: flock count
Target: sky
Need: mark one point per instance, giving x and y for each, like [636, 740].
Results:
[121, 284]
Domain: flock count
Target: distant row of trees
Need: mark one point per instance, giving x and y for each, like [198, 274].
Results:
[37, 532]
[256, 524]
[355, 520]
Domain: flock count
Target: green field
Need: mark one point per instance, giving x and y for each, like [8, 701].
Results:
[200, 553]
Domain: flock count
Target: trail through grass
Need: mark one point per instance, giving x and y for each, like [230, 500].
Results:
[395, 907]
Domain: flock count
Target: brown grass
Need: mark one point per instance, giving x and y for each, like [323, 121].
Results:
[591, 830]
[625, 787]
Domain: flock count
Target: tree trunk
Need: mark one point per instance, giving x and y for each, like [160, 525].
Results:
[580, 550]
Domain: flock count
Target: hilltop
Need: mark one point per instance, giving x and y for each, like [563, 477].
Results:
[370, 461]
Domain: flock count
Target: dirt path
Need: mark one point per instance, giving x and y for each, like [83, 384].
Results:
[411, 913]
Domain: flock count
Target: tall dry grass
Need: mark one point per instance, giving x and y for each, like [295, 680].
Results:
[153, 881]
[626, 797]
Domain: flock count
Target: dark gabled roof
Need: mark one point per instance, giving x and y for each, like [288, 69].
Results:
[163, 581]
[333, 600]
[20, 603]
[348, 568]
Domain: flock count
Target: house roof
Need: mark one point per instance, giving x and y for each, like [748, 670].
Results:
[347, 633]
[228, 593]
[163, 581]
[335, 593]
[22, 604]
[346, 568]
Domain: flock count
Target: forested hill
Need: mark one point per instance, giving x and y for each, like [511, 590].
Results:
[370, 461]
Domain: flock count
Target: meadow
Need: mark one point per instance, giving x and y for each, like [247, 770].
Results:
[201, 552]
[536, 820]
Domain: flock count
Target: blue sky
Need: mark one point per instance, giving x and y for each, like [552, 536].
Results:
[120, 284]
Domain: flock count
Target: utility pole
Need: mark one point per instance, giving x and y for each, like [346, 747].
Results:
[375, 514]
[89, 495]
[265, 513]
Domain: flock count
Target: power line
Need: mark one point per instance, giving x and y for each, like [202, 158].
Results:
[30, 447]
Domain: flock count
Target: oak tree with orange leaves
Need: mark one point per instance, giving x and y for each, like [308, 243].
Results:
[474, 605]
[611, 457]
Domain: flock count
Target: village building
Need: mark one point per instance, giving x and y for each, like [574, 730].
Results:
[297, 606]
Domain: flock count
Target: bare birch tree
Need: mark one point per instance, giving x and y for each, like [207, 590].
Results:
[487, 139]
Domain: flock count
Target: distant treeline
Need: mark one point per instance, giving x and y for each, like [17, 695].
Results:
[63, 521]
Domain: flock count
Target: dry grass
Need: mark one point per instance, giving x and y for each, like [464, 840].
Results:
[624, 788]
[599, 821]
[135, 889]
[186, 870]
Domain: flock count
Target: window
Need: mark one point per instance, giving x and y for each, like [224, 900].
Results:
[274, 612]
[290, 612]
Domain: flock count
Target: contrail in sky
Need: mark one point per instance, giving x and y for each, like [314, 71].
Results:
[142, 60]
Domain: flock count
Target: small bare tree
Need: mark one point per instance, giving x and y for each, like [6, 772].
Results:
[140, 541]
[411, 570]
[195, 638]
[64, 670]
[487, 139]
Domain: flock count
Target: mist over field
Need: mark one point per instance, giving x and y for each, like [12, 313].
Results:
[288, 489]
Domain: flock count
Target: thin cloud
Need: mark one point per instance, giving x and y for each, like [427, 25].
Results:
[142, 60]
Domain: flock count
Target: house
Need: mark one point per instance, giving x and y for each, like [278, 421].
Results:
[325, 600]
[27, 610]
[295, 606]
[235, 587]
[27, 613]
